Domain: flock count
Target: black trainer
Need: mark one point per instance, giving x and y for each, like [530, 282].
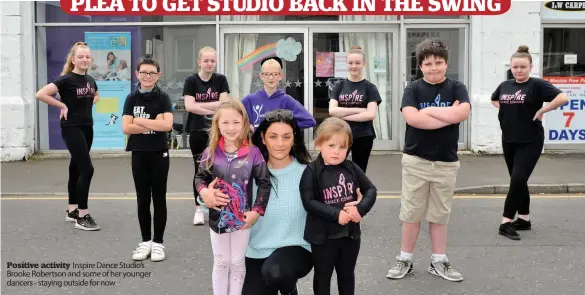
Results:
[521, 224]
[72, 216]
[507, 230]
[86, 223]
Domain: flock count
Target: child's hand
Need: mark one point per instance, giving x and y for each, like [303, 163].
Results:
[250, 217]
[212, 197]
[353, 213]
[354, 203]
[343, 218]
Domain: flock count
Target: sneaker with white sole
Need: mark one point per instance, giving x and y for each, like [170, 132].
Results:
[143, 251]
[442, 268]
[72, 216]
[86, 223]
[401, 269]
[199, 218]
[157, 253]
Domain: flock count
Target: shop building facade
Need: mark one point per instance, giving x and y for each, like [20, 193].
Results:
[37, 35]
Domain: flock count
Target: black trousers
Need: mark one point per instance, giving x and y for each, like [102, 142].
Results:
[78, 140]
[150, 171]
[521, 158]
[361, 150]
[340, 254]
[198, 141]
[278, 272]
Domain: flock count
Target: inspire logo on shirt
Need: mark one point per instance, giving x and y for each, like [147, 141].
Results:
[436, 103]
[207, 96]
[85, 91]
[513, 98]
[351, 99]
[342, 192]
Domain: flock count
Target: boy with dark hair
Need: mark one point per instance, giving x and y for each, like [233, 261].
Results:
[271, 98]
[432, 107]
[147, 118]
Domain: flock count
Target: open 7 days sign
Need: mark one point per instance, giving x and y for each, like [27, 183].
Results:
[567, 123]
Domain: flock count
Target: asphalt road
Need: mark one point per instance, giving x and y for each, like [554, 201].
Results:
[550, 259]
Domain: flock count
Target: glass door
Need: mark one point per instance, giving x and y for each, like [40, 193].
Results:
[327, 48]
[455, 37]
[243, 47]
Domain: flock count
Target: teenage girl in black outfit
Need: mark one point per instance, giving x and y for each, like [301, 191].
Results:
[202, 92]
[356, 101]
[147, 119]
[78, 92]
[520, 101]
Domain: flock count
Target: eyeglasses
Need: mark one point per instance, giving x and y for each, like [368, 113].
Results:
[267, 75]
[283, 114]
[148, 74]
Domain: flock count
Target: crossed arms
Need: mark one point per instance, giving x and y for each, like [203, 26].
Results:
[436, 117]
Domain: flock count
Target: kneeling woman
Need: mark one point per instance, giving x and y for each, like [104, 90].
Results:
[277, 255]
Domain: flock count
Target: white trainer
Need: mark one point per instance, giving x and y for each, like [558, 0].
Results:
[199, 218]
[157, 254]
[143, 251]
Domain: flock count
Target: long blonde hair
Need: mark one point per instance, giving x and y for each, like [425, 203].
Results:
[214, 133]
[69, 66]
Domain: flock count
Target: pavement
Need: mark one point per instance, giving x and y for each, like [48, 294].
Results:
[548, 260]
[479, 174]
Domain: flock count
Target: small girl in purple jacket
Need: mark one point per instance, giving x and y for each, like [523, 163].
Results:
[229, 166]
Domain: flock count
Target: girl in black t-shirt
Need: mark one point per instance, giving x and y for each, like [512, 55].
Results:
[520, 101]
[146, 119]
[355, 100]
[202, 92]
[78, 92]
[330, 188]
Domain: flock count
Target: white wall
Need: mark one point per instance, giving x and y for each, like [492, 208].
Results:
[16, 78]
[493, 40]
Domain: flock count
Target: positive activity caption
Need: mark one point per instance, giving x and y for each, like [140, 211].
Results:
[285, 7]
[62, 274]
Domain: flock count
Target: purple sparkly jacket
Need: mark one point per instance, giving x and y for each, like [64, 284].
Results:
[235, 180]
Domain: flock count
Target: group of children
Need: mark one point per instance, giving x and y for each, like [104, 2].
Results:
[227, 164]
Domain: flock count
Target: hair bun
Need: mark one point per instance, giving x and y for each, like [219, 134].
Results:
[356, 47]
[522, 49]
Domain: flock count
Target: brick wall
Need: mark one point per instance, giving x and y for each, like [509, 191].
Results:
[16, 103]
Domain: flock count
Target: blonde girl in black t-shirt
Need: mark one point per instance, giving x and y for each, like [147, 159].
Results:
[521, 101]
[356, 101]
[202, 92]
[78, 92]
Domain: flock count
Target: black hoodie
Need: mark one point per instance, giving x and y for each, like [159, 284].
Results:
[147, 105]
[325, 189]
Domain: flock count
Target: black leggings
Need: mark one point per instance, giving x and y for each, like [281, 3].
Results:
[521, 158]
[340, 254]
[278, 272]
[78, 140]
[197, 142]
[150, 171]
[361, 150]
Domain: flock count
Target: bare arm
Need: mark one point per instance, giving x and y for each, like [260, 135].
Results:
[453, 114]
[96, 97]
[559, 100]
[368, 115]
[163, 122]
[128, 127]
[46, 93]
[336, 111]
[421, 120]
[496, 103]
[193, 107]
[223, 96]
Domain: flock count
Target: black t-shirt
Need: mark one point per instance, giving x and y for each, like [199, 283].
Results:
[147, 105]
[77, 93]
[203, 92]
[438, 144]
[337, 188]
[357, 95]
[519, 102]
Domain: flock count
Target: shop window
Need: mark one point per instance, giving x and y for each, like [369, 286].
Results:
[560, 47]
[176, 49]
[51, 12]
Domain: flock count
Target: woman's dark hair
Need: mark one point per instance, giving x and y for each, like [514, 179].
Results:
[298, 150]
